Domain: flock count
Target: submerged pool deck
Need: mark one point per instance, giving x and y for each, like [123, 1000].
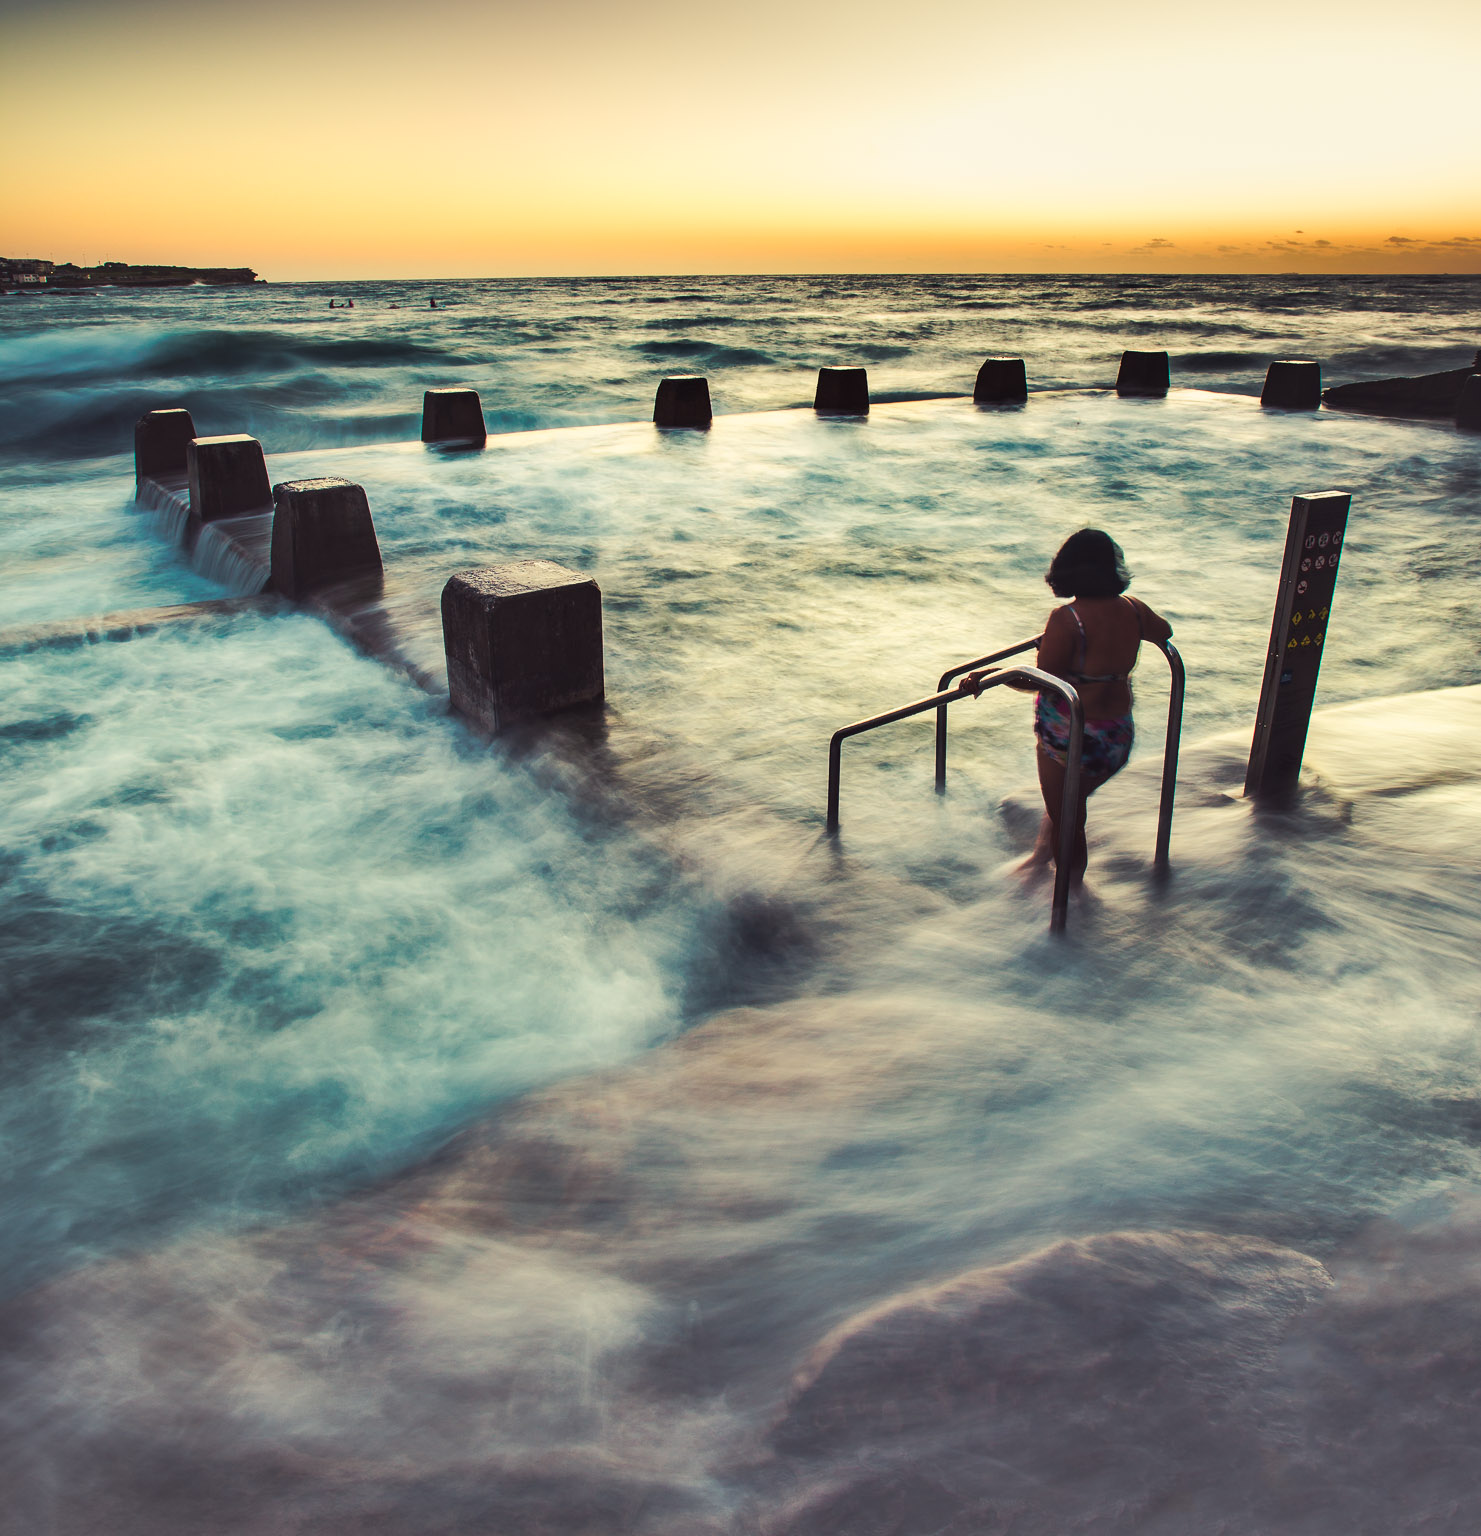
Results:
[781, 573]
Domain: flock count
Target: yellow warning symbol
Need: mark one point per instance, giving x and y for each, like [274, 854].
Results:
[1296, 617]
[1311, 613]
[1322, 614]
[1305, 639]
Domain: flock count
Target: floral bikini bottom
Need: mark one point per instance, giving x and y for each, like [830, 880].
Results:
[1106, 744]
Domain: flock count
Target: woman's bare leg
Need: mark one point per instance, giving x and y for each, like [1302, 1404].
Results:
[1051, 784]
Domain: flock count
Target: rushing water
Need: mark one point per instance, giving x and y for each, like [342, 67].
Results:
[407, 1135]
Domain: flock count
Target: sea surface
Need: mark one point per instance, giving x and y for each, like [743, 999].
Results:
[406, 1134]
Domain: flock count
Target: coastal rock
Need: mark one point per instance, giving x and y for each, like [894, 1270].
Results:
[1468, 404]
[1424, 395]
[30, 274]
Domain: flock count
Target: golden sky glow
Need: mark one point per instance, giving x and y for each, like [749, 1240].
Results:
[452, 139]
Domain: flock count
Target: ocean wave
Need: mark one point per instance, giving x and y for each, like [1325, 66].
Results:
[110, 352]
[213, 352]
[715, 353]
[744, 357]
[674, 348]
[691, 322]
[89, 424]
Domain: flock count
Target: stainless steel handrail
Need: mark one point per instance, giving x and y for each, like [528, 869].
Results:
[1170, 753]
[946, 680]
[1169, 747]
[1069, 805]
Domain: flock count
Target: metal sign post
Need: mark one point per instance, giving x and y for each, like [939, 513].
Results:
[1297, 639]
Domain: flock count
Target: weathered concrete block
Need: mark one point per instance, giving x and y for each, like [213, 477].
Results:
[1293, 386]
[160, 441]
[1001, 378]
[682, 402]
[228, 476]
[453, 416]
[523, 640]
[842, 392]
[1144, 373]
[1468, 405]
[322, 536]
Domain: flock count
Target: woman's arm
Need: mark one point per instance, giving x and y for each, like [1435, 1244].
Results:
[1056, 654]
[1154, 627]
[1060, 644]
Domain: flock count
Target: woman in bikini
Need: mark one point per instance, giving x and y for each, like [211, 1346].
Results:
[1091, 642]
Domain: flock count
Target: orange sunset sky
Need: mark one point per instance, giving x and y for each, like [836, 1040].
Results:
[328, 139]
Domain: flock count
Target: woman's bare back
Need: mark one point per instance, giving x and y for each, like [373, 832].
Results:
[1093, 643]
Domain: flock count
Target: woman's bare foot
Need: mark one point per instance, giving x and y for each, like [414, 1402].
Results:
[1043, 849]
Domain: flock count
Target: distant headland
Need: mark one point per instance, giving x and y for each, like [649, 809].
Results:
[27, 275]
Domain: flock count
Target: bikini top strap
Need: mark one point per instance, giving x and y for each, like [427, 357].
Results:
[1084, 644]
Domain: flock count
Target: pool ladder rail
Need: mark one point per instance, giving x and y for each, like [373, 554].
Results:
[947, 695]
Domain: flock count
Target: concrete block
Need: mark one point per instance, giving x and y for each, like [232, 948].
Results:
[160, 439]
[523, 640]
[228, 476]
[1001, 378]
[453, 416]
[842, 392]
[1468, 405]
[322, 536]
[1293, 386]
[682, 402]
[1144, 373]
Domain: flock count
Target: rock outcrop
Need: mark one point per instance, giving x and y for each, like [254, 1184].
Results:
[1427, 395]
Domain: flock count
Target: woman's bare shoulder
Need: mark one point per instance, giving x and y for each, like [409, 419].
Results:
[1060, 639]
[1154, 626]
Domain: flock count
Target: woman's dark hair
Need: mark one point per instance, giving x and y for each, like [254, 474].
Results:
[1089, 564]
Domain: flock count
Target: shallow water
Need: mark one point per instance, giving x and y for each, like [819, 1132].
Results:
[409, 1135]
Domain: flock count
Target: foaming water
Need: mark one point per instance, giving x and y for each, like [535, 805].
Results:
[1007, 1233]
[80, 547]
[232, 554]
[411, 1135]
[238, 971]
